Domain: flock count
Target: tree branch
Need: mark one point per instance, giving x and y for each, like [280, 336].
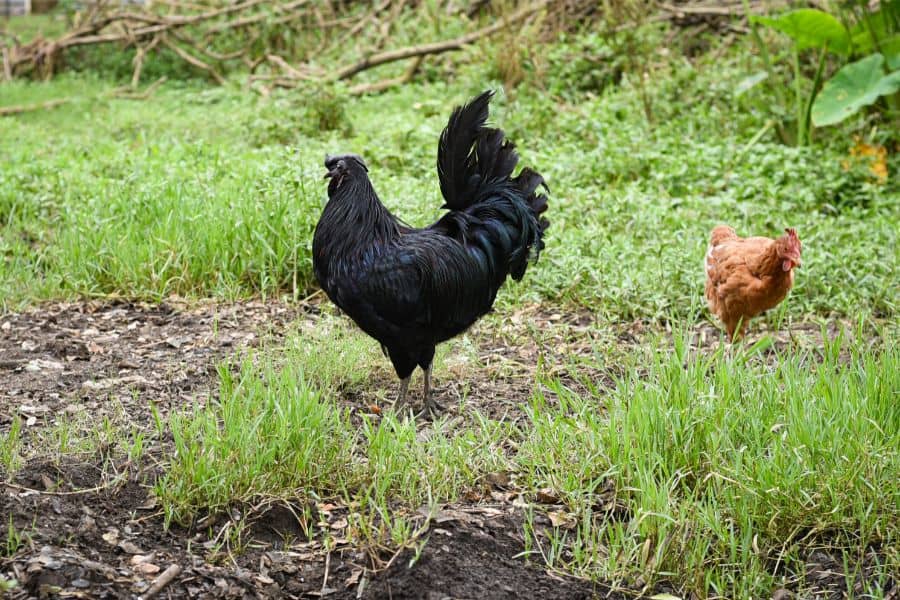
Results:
[389, 56]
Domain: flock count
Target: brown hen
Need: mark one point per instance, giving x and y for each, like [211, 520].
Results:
[746, 276]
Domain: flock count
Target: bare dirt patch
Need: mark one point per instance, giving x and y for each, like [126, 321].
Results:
[85, 522]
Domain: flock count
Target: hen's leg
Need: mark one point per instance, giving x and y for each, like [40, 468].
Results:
[730, 328]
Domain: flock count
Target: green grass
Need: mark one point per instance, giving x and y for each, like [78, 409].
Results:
[702, 470]
[202, 192]
[724, 466]
[715, 472]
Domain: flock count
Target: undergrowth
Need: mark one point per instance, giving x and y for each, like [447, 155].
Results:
[695, 469]
[716, 473]
[215, 192]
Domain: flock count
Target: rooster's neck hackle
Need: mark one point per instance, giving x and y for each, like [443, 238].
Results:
[357, 215]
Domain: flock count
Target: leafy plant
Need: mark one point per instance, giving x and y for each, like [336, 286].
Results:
[855, 85]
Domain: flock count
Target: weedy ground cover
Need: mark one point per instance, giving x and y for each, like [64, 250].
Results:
[713, 471]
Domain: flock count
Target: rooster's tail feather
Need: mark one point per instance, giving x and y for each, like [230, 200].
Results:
[503, 215]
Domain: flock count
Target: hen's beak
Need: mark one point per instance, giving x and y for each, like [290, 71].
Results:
[797, 262]
[330, 174]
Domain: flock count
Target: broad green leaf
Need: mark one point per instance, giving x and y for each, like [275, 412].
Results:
[749, 82]
[810, 28]
[856, 85]
[891, 50]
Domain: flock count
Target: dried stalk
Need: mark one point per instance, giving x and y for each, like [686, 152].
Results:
[6, 111]
[193, 60]
[380, 86]
[382, 58]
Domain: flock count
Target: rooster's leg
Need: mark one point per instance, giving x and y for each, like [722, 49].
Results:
[431, 405]
[401, 398]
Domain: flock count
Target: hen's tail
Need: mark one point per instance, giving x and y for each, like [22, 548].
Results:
[721, 233]
[501, 214]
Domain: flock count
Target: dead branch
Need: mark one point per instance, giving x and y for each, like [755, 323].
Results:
[164, 579]
[380, 86]
[283, 64]
[128, 92]
[139, 59]
[382, 58]
[198, 47]
[366, 19]
[43, 52]
[252, 20]
[193, 60]
[6, 111]
[733, 10]
[7, 67]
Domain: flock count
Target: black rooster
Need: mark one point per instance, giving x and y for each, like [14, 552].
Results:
[412, 289]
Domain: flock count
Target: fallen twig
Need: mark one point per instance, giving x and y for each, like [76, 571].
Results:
[191, 59]
[98, 488]
[245, 21]
[380, 86]
[129, 92]
[164, 579]
[711, 10]
[382, 58]
[327, 567]
[6, 111]
[7, 67]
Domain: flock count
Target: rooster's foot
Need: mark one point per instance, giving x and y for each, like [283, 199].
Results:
[401, 397]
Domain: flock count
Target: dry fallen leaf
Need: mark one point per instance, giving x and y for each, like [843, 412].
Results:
[130, 547]
[559, 518]
[40, 364]
[500, 480]
[48, 483]
[354, 577]
[547, 496]
[111, 537]
[150, 504]
[147, 568]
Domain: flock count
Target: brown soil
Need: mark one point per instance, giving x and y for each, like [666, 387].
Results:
[88, 524]
[86, 519]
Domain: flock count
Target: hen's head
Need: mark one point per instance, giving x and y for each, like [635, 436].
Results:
[344, 167]
[789, 249]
